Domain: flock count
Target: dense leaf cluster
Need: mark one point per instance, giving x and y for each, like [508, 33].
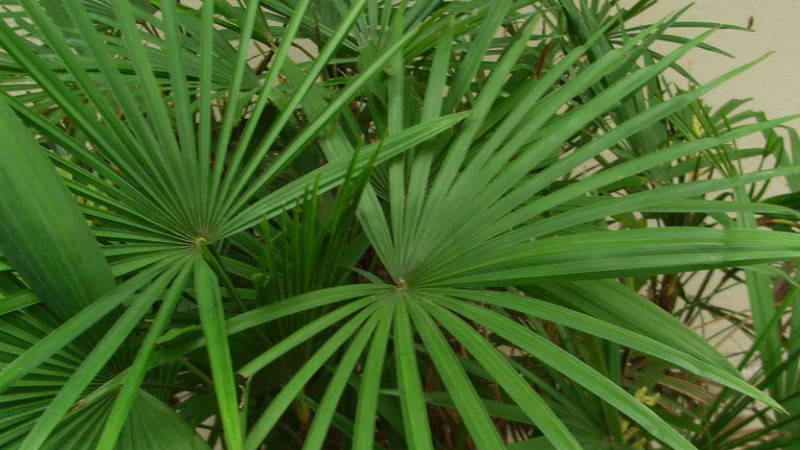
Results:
[380, 224]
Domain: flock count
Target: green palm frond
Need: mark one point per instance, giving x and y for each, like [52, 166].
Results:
[367, 223]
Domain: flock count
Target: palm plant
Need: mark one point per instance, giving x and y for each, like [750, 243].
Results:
[409, 234]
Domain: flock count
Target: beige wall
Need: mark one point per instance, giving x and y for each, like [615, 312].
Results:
[775, 83]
